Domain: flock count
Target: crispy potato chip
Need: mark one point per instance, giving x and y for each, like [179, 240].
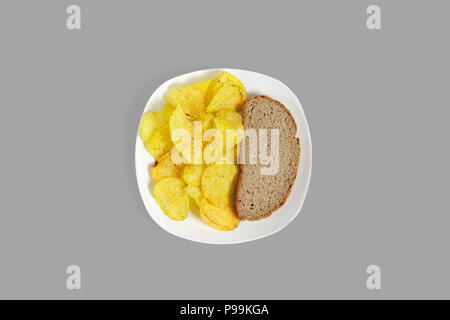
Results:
[154, 120]
[227, 78]
[222, 125]
[222, 142]
[192, 174]
[197, 143]
[151, 122]
[224, 219]
[195, 193]
[227, 97]
[230, 155]
[213, 149]
[169, 193]
[230, 115]
[229, 93]
[164, 167]
[207, 122]
[190, 99]
[219, 182]
[210, 155]
[179, 120]
[160, 142]
[230, 135]
[182, 133]
[207, 89]
[235, 119]
[168, 109]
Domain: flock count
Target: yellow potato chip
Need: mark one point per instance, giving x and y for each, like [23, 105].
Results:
[229, 133]
[160, 142]
[224, 219]
[164, 167]
[190, 99]
[227, 97]
[230, 155]
[168, 109]
[232, 116]
[222, 125]
[227, 78]
[151, 122]
[207, 122]
[154, 120]
[213, 149]
[179, 120]
[195, 193]
[236, 120]
[209, 153]
[197, 143]
[192, 174]
[207, 89]
[182, 133]
[222, 141]
[170, 194]
[219, 183]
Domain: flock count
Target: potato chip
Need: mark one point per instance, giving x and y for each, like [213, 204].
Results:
[236, 119]
[227, 97]
[192, 174]
[213, 149]
[224, 219]
[207, 89]
[195, 193]
[150, 122]
[229, 93]
[179, 120]
[182, 133]
[222, 125]
[210, 155]
[164, 167]
[228, 131]
[207, 121]
[170, 194]
[227, 78]
[232, 116]
[230, 155]
[222, 141]
[197, 143]
[168, 109]
[190, 99]
[154, 120]
[219, 182]
[160, 142]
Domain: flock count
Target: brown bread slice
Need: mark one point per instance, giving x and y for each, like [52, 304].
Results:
[257, 195]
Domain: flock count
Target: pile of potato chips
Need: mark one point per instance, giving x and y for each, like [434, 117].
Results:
[196, 166]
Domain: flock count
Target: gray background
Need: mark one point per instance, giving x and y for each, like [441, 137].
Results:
[376, 101]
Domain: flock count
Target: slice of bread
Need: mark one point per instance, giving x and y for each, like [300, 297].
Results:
[258, 195]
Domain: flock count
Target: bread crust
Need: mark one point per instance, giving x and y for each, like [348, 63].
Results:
[241, 166]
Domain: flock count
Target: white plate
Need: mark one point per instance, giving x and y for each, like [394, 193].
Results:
[193, 228]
